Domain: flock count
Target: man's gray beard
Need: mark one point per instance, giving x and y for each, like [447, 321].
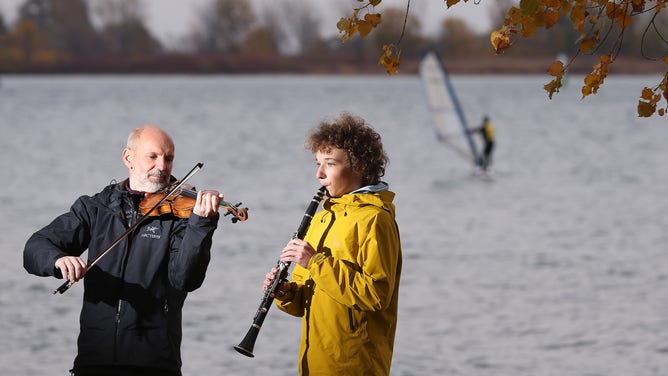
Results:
[153, 187]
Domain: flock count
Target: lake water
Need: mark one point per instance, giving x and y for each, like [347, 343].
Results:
[559, 266]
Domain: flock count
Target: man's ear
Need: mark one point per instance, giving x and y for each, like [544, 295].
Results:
[127, 157]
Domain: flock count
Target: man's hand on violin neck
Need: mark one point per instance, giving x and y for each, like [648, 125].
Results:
[207, 202]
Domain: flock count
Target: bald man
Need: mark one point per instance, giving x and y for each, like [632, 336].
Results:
[130, 321]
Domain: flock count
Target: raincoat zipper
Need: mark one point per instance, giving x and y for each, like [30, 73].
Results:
[351, 320]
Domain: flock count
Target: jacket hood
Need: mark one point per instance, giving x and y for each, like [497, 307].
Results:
[380, 187]
[377, 195]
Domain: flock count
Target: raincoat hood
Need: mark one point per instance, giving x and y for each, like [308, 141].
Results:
[377, 195]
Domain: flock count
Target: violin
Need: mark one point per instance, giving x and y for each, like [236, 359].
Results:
[181, 205]
[164, 202]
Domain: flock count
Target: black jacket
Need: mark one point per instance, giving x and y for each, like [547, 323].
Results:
[133, 296]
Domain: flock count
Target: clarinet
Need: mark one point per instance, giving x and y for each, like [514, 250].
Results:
[245, 347]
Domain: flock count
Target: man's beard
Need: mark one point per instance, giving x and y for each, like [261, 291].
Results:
[154, 186]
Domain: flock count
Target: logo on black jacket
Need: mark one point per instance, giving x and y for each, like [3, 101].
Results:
[151, 232]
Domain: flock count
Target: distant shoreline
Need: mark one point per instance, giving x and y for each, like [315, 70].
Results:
[331, 64]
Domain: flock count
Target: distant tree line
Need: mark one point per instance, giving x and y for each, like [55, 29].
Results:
[105, 35]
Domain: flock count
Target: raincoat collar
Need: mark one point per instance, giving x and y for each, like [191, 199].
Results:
[377, 195]
[380, 187]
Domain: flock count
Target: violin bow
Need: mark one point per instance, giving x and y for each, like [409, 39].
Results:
[65, 286]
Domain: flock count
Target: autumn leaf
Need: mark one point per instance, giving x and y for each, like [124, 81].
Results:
[553, 87]
[530, 26]
[364, 28]
[578, 16]
[390, 59]
[588, 44]
[647, 93]
[646, 109]
[551, 18]
[649, 98]
[528, 6]
[343, 23]
[638, 5]
[373, 19]
[556, 69]
[500, 39]
[553, 4]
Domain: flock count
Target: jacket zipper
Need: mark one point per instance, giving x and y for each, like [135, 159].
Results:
[351, 320]
[118, 329]
[130, 221]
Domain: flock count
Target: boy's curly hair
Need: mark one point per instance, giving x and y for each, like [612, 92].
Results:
[361, 143]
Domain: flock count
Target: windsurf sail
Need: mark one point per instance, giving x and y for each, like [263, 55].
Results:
[564, 59]
[448, 117]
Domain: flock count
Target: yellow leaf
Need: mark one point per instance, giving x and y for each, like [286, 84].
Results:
[500, 39]
[449, 3]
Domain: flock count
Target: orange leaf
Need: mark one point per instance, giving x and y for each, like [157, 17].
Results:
[556, 68]
[500, 39]
[343, 23]
[646, 109]
[578, 16]
[390, 63]
[364, 28]
[588, 44]
[551, 18]
[647, 93]
[553, 86]
[554, 4]
[372, 18]
[528, 6]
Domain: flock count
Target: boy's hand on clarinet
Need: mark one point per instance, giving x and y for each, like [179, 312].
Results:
[269, 279]
[297, 251]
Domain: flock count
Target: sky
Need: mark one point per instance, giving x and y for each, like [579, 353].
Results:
[169, 20]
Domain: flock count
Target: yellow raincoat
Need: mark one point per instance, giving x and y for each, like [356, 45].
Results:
[348, 295]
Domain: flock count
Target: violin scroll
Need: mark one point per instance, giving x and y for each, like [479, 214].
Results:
[238, 213]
